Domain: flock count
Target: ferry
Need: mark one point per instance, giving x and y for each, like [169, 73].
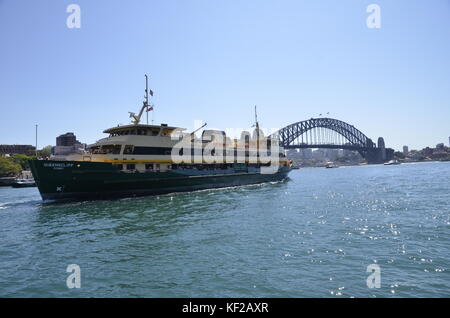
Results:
[331, 165]
[392, 162]
[141, 159]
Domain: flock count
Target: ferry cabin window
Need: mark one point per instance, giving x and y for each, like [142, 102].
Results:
[152, 151]
[119, 166]
[95, 149]
[128, 150]
[143, 132]
[131, 166]
[111, 149]
[149, 166]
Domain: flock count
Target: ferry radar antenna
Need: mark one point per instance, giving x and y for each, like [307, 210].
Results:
[257, 133]
[256, 119]
[146, 95]
[137, 118]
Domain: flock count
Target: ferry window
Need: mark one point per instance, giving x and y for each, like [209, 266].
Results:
[157, 167]
[149, 166]
[131, 166]
[152, 151]
[110, 149]
[95, 149]
[116, 150]
[128, 150]
[119, 166]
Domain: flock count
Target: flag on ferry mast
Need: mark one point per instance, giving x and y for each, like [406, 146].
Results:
[150, 109]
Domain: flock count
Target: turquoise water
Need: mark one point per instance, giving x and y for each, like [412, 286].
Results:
[311, 236]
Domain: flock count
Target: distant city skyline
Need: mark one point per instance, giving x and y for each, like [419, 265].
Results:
[214, 60]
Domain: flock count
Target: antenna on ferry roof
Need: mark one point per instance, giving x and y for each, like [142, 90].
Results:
[137, 118]
[256, 119]
[146, 95]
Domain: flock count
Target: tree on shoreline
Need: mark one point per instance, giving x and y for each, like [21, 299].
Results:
[45, 152]
[8, 167]
[22, 160]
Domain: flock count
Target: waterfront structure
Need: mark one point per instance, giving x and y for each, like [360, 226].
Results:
[333, 134]
[67, 144]
[306, 153]
[17, 149]
[67, 139]
[405, 150]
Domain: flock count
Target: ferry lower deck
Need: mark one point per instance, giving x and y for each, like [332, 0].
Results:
[59, 180]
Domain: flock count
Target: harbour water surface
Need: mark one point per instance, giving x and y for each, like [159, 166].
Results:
[311, 236]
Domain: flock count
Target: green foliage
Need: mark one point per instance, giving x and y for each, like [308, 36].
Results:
[45, 152]
[22, 160]
[8, 167]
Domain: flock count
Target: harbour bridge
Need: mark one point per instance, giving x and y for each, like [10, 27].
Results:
[333, 134]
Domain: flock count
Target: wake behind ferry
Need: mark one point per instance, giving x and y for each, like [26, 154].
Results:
[138, 159]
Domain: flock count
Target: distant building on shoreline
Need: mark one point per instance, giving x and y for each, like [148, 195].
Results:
[66, 140]
[405, 150]
[67, 144]
[17, 149]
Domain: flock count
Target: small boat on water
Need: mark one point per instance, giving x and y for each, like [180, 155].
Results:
[23, 183]
[392, 162]
[330, 165]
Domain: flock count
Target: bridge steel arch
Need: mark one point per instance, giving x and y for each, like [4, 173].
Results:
[356, 140]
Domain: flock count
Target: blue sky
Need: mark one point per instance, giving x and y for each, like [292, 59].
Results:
[213, 60]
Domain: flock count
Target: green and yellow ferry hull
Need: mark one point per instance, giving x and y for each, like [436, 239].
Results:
[62, 180]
